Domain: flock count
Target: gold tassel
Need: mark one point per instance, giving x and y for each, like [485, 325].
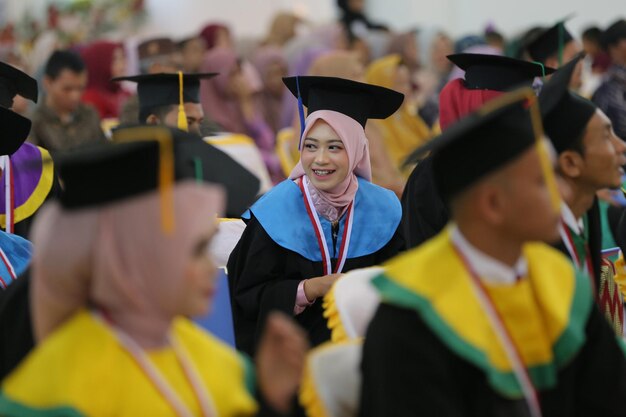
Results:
[166, 166]
[182, 117]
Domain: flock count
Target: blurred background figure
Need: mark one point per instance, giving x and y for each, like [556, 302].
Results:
[611, 95]
[104, 60]
[61, 120]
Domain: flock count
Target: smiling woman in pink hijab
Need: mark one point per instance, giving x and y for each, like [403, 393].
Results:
[115, 277]
[326, 219]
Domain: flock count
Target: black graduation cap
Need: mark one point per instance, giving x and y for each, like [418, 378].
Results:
[357, 100]
[549, 41]
[486, 140]
[15, 128]
[140, 159]
[163, 89]
[498, 73]
[565, 114]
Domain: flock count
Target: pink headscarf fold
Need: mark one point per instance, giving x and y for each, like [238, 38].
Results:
[356, 144]
[118, 259]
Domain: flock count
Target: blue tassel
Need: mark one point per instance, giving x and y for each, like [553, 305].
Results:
[300, 112]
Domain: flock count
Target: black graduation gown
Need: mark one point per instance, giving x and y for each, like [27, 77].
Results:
[16, 333]
[424, 213]
[264, 276]
[407, 371]
[595, 241]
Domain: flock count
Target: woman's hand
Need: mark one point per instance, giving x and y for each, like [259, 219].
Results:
[319, 286]
[280, 361]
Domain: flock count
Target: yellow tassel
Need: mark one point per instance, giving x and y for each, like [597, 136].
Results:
[182, 117]
[166, 166]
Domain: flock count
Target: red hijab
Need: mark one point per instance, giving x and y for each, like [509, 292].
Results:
[456, 101]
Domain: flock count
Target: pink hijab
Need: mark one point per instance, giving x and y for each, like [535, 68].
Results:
[356, 144]
[217, 103]
[117, 258]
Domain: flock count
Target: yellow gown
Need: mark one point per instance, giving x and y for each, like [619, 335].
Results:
[82, 370]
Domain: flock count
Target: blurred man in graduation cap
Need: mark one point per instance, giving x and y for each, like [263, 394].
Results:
[424, 213]
[325, 219]
[553, 47]
[501, 326]
[172, 99]
[155, 56]
[611, 95]
[590, 158]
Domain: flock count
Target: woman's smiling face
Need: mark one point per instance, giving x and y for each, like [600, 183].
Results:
[324, 157]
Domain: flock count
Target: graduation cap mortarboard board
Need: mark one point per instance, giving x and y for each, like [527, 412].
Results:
[498, 73]
[15, 128]
[550, 41]
[149, 158]
[565, 114]
[360, 101]
[155, 90]
[487, 140]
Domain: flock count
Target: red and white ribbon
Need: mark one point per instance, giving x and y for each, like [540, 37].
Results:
[319, 232]
[519, 369]
[158, 380]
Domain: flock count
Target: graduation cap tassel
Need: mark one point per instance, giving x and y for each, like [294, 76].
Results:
[543, 70]
[300, 112]
[198, 171]
[166, 177]
[182, 117]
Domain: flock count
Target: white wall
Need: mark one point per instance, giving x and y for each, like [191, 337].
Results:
[246, 17]
[459, 17]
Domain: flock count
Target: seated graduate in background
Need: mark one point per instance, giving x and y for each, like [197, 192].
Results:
[424, 213]
[590, 158]
[27, 178]
[327, 218]
[115, 277]
[479, 321]
[173, 100]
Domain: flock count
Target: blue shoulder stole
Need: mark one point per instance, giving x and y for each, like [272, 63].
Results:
[282, 214]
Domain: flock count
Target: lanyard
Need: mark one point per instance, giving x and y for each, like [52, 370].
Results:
[579, 251]
[7, 264]
[521, 373]
[319, 232]
[158, 380]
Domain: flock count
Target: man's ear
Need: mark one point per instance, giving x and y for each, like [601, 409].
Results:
[571, 164]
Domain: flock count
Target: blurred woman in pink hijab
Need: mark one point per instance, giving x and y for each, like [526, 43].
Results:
[232, 100]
